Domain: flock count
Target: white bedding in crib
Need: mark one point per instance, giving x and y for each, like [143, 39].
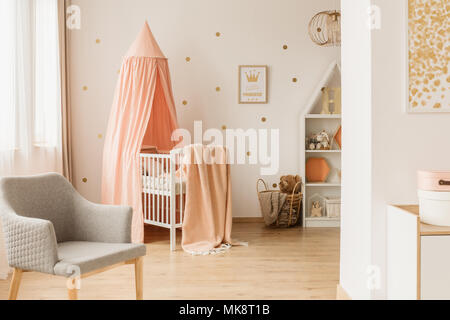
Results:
[162, 183]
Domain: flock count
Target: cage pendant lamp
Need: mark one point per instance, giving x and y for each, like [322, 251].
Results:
[325, 28]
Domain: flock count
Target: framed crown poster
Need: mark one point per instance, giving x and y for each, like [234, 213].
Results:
[253, 84]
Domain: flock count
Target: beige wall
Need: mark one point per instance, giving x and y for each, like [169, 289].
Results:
[252, 32]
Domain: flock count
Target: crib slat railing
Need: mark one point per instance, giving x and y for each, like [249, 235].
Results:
[173, 200]
[168, 187]
[158, 196]
[146, 182]
[163, 190]
[153, 187]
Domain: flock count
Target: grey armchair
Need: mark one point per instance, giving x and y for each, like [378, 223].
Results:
[50, 228]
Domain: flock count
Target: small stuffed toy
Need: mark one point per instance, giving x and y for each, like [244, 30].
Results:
[316, 210]
[326, 101]
[287, 184]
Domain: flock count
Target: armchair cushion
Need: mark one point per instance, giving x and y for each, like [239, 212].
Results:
[84, 257]
[100, 223]
[31, 243]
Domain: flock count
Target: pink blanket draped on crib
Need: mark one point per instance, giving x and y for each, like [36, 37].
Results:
[208, 213]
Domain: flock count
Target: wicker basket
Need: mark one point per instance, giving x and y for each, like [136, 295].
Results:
[291, 213]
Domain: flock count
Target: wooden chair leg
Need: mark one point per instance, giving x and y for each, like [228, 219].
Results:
[15, 284]
[139, 278]
[72, 289]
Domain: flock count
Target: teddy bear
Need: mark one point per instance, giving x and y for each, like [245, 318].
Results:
[287, 184]
[316, 210]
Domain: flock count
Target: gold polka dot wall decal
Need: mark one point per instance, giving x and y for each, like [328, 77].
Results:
[263, 119]
[85, 88]
[218, 34]
[97, 41]
[188, 59]
[84, 180]
[185, 103]
[437, 106]
[100, 136]
[285, 47]
[224, 127]
[294, 80]
[218, 89]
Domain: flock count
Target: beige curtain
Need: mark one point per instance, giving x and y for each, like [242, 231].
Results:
[66, 135]
[65, 97]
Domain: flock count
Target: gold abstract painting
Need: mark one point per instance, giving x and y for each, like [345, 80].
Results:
[429, 51]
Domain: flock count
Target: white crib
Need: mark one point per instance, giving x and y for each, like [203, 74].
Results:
[163, 191]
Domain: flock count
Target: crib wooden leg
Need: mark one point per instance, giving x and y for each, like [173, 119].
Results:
[173, 239]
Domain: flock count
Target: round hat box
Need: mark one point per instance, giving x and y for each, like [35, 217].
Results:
[435, 207]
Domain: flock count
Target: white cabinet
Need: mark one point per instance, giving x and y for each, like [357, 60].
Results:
[418, 257]
[435, 268]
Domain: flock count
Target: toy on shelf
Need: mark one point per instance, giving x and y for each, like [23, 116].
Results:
[316, 210]
[326, 101]
[336, 101]
[320, 141]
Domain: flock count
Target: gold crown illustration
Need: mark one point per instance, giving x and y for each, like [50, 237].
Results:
[252, 76]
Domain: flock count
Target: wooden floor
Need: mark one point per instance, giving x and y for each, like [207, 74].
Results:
[278, 264]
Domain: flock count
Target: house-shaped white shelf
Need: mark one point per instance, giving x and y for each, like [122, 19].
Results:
[312, 121]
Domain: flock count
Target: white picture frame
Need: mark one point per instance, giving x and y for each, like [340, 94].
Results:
[253, 83]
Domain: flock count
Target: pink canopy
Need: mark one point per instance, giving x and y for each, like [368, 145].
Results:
[143, 113]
